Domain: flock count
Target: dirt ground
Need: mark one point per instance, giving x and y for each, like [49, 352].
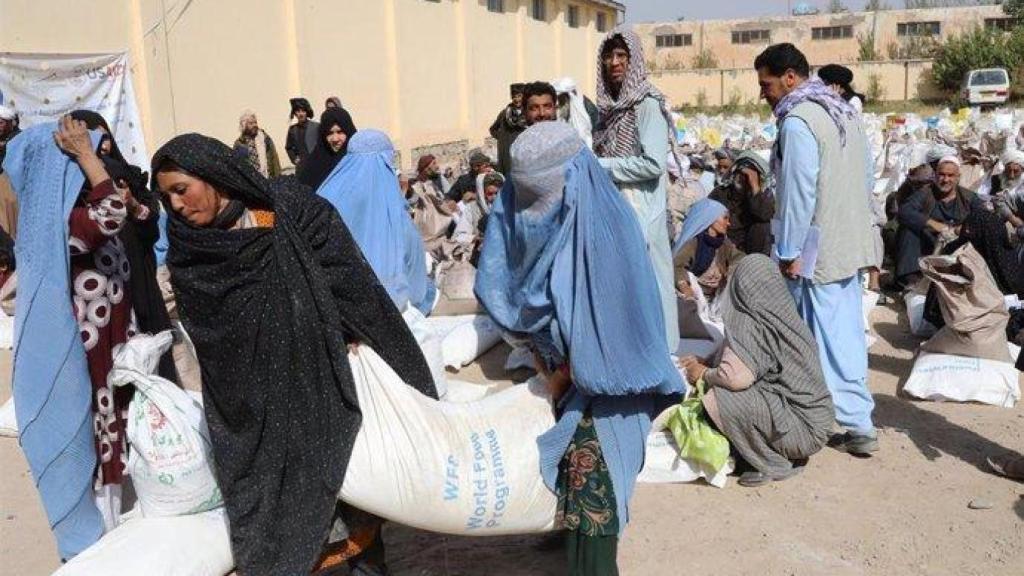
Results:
[905, 511]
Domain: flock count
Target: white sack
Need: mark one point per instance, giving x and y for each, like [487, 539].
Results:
[431, 344]
[663, 465]
[196, 545]
[8, 421]
[868, 301]
[6, 331]
[171, 456]
[470, 468]
[915, 312]
[464, 338]
[942, 377]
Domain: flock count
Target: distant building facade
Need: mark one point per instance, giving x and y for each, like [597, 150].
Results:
[824, 38]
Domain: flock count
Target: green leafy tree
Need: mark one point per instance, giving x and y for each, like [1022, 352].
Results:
[704, 60]
[1014, 8]
[978, 48]
[866, 51]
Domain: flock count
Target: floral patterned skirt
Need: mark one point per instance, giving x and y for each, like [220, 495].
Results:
[586, 500]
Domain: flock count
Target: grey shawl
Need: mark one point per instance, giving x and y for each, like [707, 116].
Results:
[787, 413]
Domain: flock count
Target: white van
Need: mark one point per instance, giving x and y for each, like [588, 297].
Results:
[986, 87]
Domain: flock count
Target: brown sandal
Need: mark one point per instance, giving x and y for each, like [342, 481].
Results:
[1008, 465]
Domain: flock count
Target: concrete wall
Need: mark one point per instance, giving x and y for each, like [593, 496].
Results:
[902, 80]
[716, 35]
[427, 72]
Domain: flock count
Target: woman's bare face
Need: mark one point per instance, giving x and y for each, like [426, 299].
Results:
[191, 198]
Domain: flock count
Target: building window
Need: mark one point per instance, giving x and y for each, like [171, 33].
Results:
[540, 10]
[572, 17]
[673, 40]
[751, 37]
[1001, 24]
[918, 29]
[602, 22]
[832, 32]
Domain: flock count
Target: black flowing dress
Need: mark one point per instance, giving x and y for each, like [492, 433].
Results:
[270, 311]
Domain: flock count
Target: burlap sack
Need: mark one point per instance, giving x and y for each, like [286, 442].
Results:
[972, 307]
[432, 219]
[456, 278]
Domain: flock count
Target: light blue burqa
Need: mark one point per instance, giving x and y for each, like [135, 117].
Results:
[52, 390]
[363, 188]
[565, 264]
[701, 216]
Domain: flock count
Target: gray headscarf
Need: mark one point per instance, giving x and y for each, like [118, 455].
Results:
[764, 330]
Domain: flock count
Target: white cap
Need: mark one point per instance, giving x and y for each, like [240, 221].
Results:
[7, 113]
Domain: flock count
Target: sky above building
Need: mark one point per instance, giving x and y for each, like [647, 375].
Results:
[668, 10]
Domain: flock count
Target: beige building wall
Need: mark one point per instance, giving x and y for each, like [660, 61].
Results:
[899, 80]
[426, 71]
[716, 35]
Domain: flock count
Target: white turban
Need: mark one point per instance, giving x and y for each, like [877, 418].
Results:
[950, 160]
[1012, 156]
[7, 113]
[245, 116]
[564, 85]
[940, 151]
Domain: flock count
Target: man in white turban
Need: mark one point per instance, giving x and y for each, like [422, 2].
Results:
[932, 216]
[255, 145]
[1009, 200]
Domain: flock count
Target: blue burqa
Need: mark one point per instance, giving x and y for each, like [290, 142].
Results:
[52, 391]
[363, 188]
[565, 264]
[701, 216]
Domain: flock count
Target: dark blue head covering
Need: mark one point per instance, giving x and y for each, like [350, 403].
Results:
[564, 261]
[363, 188]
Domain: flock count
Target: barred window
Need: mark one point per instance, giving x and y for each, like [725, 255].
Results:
[540, 10]
[673, 40]
[572, 16]
[917, 29]
[831, 32]
[751, 37]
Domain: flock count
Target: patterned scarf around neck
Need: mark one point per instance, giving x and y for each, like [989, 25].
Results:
[814, 90]
[257, 146]
[618, 135]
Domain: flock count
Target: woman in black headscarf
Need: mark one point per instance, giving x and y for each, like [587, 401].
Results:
[138, 237]
[336, 129]
[270, 309]
[840, 79]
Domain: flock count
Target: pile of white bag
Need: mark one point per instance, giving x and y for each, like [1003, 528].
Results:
[470, 468]
[170, 460]
[180, 525]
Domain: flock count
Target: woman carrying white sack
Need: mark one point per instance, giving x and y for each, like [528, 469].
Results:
[564, 266]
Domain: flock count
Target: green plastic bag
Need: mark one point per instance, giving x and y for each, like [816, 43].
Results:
[697, 440]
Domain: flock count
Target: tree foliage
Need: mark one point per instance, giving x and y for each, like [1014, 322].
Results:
[1014, 8]
[978, 48]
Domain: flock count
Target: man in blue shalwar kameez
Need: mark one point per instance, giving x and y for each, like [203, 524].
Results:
[823, 228]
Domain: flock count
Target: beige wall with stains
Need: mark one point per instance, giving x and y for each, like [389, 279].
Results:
[425, 71]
